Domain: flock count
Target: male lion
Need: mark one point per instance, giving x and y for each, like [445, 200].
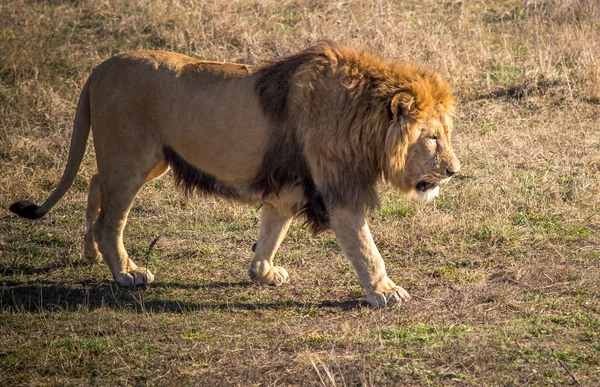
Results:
[308, 135]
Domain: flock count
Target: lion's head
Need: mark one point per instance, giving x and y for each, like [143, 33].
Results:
[419, 152]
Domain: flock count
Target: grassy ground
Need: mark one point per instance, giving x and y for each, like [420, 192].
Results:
[503, 267]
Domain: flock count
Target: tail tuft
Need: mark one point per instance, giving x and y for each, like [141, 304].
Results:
[26, 209]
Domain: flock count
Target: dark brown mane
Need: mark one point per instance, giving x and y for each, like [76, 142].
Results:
[284, 164]
[274, 79]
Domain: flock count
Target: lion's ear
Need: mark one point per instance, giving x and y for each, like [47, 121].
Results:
[401, 105]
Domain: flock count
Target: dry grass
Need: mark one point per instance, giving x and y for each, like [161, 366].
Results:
[504, 266]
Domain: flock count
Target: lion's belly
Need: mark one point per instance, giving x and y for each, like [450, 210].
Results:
[219, 155]
[221, 130]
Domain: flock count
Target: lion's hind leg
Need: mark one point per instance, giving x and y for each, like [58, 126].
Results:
[119, 187]
[93, 210]
[91, 214]
[272, 230]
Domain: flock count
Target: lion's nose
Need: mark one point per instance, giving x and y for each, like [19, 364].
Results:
[453, 168]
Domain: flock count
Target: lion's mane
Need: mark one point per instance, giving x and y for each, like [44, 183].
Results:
[331, 109]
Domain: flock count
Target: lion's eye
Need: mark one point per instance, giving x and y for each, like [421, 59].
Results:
[433, 139]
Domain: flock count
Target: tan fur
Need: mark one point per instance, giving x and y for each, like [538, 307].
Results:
[312, 134]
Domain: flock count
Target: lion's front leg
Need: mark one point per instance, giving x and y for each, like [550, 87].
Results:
[351, 229]
[272, 230]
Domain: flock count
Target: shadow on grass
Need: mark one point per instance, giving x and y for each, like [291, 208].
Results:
[215, 285]
[19, 297]
[23, 269]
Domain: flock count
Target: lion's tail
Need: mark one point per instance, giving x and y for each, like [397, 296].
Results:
[81, 131]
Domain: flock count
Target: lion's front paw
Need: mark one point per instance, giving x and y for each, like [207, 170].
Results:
[275, 276]
[395, 296]
[137, 276]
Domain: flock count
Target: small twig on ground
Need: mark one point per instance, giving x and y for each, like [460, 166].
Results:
[318, 372]
[152, 244]
[555, 249]
[568, 371]
[110, 283]
[591, 216]
[140, 302]
[114, 348]
[326, 370]
[547, 276]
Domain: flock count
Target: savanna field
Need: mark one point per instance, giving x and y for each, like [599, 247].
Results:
[503, 267]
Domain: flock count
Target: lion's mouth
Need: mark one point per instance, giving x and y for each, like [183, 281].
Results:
[427, 191]
[424, 186]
